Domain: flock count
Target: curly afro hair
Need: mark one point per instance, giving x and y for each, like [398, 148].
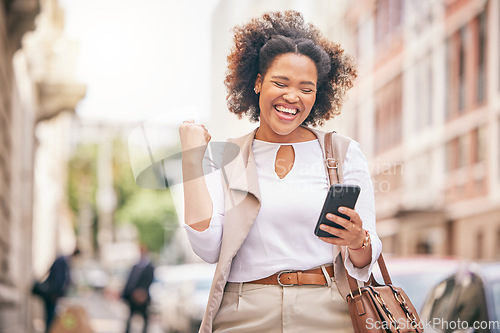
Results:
[256, 45]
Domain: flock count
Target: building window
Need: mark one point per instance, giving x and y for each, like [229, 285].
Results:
[381, 17]
[418, 97]
[422, 11]
[388, 118]
[423, 94]
[388, 18]
[455, 74]
[395, 14]
[461, 70]
[450, 155]
[466, 70]
[481, 58]
[474, 138]
[448, 74]
[430, 95]
[478, 139]
[462, 151]
[364, 42]
[479, 245]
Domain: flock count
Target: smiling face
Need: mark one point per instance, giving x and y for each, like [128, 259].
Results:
[287, 95]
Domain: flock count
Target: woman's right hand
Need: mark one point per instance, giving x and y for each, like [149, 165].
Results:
[194, 138]
[197, 201]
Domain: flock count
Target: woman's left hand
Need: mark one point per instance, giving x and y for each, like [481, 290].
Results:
[353, 236]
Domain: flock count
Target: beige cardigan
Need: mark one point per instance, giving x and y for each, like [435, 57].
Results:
[243, 188]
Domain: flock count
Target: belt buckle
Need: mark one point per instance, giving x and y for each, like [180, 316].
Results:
[279, 282]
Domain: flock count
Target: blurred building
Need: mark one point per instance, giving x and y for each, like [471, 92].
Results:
[37, 86]
[425, 109]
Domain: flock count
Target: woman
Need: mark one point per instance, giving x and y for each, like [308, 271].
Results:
[256, 217]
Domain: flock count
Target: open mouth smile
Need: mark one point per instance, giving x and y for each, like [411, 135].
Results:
[286, 111]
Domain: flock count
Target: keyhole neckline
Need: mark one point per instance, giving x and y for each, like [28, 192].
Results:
[288, 167]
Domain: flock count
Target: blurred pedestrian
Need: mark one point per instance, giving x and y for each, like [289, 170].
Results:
[136, 291]
[55, 286]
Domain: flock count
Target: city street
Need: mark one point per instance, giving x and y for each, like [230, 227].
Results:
[107, 315]
[96, 211]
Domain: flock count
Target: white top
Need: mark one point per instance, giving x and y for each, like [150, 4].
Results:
[282, 236]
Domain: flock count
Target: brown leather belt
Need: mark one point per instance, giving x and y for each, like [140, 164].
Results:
[299, 278]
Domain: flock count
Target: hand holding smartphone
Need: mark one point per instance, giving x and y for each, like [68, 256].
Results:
[339, 195]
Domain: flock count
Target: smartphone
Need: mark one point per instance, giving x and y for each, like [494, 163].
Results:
[339, 195]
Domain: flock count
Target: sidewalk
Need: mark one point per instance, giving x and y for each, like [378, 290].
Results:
[108, 315]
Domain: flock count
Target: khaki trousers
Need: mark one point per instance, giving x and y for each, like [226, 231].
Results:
[262, 308]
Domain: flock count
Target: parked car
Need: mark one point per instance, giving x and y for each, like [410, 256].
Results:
[417, 274]
[466, 301]
[180, 295]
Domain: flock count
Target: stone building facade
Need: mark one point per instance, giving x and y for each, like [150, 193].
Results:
[16, 171]
[33, 91]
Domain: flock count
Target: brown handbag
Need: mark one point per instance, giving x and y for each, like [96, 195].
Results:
[374, 307]
[381, 307]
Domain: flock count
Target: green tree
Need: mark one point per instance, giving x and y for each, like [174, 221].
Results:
[151, 211]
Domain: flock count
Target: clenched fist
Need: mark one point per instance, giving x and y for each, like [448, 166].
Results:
[194, 139]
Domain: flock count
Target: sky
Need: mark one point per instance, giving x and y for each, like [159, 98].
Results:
[141, 59]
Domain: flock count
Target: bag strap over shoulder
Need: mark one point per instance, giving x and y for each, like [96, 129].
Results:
[332, 164]
[336, 146]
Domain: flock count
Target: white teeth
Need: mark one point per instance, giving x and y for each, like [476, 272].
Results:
[283, 109]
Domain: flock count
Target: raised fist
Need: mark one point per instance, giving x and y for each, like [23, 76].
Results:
[194, 138]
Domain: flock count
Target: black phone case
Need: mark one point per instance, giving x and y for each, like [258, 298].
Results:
[339, 195]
